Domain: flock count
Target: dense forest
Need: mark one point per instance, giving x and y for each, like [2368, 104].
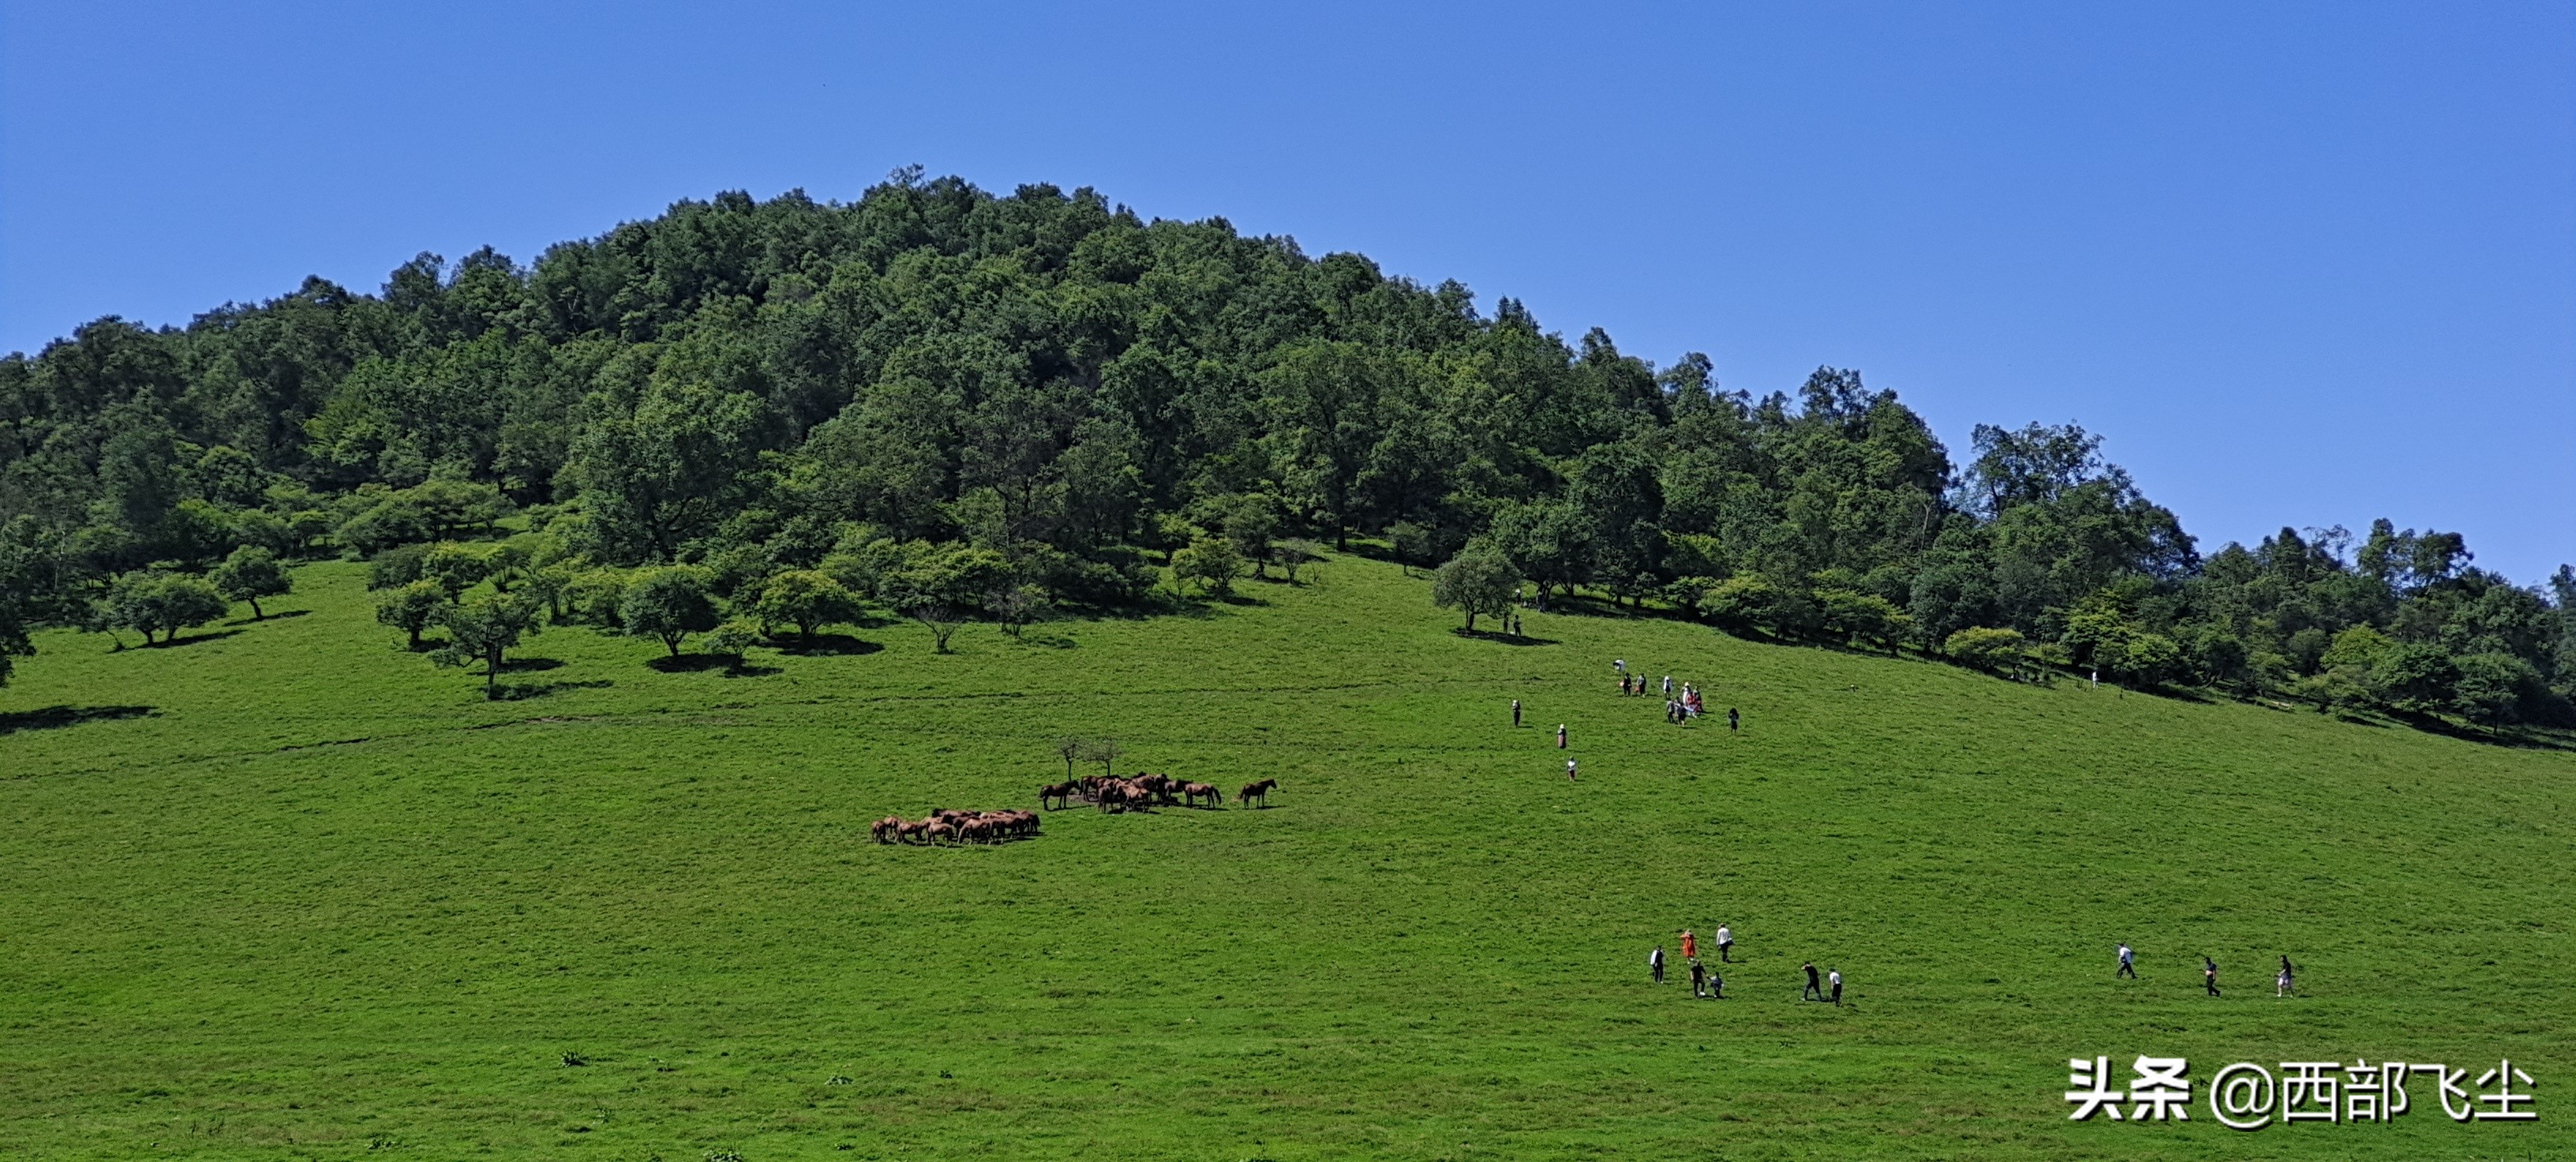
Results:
[743, 417]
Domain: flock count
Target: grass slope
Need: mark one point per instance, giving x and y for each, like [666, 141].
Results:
[288, 892]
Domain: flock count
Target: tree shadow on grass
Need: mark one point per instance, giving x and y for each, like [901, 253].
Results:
[58, 717]
[280, 615]
[2518, 739]
[731, 667]
[190, 641]
[530, 665]
[826, 645]
[522, 691]
[1506, 639]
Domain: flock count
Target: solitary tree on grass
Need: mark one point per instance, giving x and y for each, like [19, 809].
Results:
[481, 630]
[249, 574]
[669, 603]
[1479, 580]
[805, 599]
[411, 608]
[1071, 748]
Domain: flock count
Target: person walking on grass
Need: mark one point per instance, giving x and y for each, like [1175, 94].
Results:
[1560, 736]
[2285, 986]
[2128, 963]
[1734, 720]
[1516, 714]
[1668, 685]
[1716, 985]
[1836, 976]
[1690, 945]
[2209, 974]
[1813, 989]
[1569, 770]
[1725, 944]
[1655, 963]
[1699, 979]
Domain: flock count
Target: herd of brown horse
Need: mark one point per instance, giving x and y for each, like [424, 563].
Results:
[957, 827]
[1144, 792]
[1140, 793]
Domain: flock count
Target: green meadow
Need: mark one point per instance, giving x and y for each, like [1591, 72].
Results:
[283, 890]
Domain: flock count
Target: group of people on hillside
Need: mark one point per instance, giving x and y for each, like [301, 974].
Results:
[1682, 702]
[1708, 983]
[2283, 985]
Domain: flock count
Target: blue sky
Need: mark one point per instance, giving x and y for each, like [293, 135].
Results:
[2302, 265]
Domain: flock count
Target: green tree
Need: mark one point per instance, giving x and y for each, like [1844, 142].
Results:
[939, 586]
[1479, 580]
[249, 574]
[1746, 600]
[411, 608]
[1986, 647]
[670, 602]
[1015, 606]
[1866, 616]
[151, 600]
[480, 631]
[1211, 562]
[455, 567]
[806, 599]
[731, 640]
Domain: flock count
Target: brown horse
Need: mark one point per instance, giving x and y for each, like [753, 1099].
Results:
[1062, 793]
[1260, 791]
[1194, 792]
[885, 830]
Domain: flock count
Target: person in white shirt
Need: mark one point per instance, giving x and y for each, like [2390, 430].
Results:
[1725, 940]
[2128, 963]
[1655, 963]
[1835, 979]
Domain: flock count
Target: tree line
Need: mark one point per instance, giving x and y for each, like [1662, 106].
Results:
[963, 404]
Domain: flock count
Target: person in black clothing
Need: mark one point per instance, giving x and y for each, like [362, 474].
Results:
[1815, 988]
[1516, 714]
[2209, 974]
[1699, 979]
[1733, 719]
[1655, 963]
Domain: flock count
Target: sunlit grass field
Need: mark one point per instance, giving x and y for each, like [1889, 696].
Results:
[286, 891]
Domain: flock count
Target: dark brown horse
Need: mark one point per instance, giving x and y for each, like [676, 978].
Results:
[1260, 791]
[886, 830]
[1194, 792]
[1062, 793]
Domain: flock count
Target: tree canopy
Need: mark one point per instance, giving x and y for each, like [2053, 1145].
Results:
[1072, 393]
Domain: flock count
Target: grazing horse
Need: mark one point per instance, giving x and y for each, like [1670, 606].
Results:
[885, 830]
[1062, 793]
[907, 831]
[1193, 792]
[934, 830]
[1260, 791]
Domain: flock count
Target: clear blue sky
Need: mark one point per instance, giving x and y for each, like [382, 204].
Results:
[2301, 265]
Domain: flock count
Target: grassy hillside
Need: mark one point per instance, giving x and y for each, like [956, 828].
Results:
[286, 891]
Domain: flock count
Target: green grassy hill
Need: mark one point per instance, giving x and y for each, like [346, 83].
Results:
[285, 891]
